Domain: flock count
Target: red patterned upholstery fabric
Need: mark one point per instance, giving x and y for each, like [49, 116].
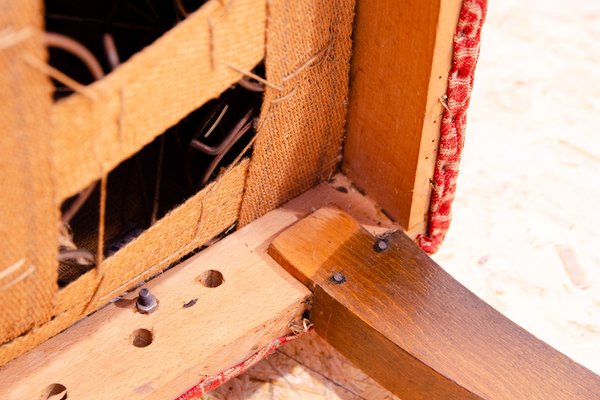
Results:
[212, 382]
[454, 122]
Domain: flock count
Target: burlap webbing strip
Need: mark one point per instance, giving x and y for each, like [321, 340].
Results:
[92, 133]
[300, 132]
[28, 213]
[40, 334]
[200, 218]
[188, 66]
[301, 126]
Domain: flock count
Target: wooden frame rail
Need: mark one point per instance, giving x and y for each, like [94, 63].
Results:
[397, 315]
[401, 58]
[214, 311]
[380, 301]
[196, 330]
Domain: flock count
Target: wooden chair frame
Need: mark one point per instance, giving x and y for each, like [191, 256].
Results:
[396, 314]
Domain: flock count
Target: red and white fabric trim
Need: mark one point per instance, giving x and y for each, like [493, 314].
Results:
[454, 121]
[212, 382]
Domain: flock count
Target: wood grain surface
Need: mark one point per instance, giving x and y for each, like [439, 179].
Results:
[197, 330]
[402, 53]
[412, 327]
[205, 323]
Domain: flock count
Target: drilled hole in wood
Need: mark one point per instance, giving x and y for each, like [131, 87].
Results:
[211, 278]
[142, 337]
[55, 391]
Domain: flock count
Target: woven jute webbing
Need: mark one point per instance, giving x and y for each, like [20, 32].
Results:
[195, 61]
[51, 151]
[299, 142]
[304, 112]
[28, 213]
[200, 218]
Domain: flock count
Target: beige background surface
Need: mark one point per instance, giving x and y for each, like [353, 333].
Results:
[525, 235]
[526, 230]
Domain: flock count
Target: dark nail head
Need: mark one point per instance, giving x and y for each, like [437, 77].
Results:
[338, 278]
[381, 245]
[145, 298]
[146, 302]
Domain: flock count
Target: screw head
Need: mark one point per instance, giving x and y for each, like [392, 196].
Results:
[380, 245]
[338, 278]
[146, 302]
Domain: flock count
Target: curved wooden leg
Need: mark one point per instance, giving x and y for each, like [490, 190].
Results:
[401, 318]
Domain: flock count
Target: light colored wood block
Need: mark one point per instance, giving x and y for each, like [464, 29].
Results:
[95, 359]
[401, 59]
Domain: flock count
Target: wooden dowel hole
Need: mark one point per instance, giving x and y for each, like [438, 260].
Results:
[55, 391]
[211, 278]
[142, 337]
